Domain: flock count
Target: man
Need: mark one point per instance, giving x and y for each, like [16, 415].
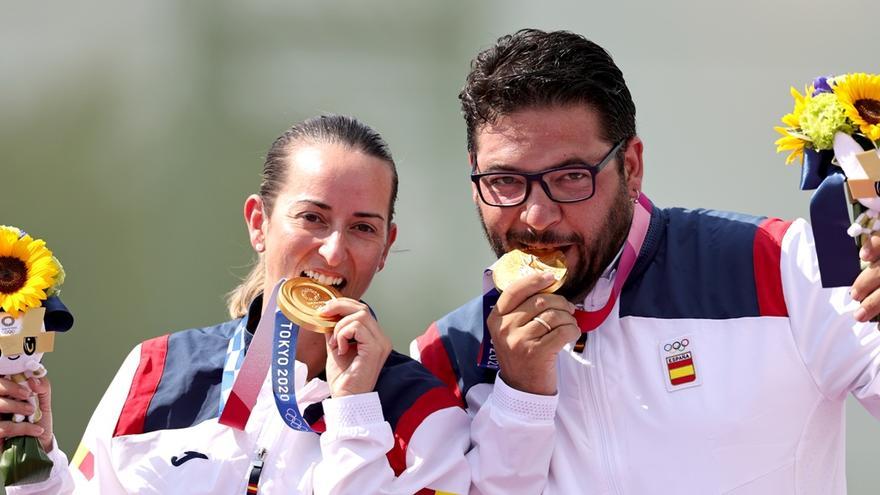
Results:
[687, 351]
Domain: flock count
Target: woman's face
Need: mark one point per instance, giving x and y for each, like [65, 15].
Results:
[329, 221]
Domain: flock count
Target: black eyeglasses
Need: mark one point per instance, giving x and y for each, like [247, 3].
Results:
[567, 184]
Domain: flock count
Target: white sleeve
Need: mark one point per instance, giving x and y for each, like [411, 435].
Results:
[842, 355]
[513, 436]
[90, 470]
[357, 439]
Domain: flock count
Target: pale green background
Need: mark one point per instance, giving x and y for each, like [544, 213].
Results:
[130, 133]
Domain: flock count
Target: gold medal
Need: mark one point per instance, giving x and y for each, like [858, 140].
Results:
[301, 298]
[517, 264]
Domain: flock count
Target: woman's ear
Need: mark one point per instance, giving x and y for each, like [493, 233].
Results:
[256, 221]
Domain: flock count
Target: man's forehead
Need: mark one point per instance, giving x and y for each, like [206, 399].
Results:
[534, 126]
[536, 149]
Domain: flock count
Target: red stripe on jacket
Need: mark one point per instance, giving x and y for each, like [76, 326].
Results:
[143, 387]
[767, 253]
[433, 356]
[431, 401]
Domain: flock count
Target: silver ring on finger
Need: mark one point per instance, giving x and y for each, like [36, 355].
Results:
[543, 322]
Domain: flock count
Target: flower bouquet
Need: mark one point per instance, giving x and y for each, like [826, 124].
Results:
[835, 130]
[30, 313]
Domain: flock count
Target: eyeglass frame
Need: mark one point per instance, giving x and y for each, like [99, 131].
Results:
[539, 177]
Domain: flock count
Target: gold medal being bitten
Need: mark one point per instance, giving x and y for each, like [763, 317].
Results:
[517, 264]
[301, 298]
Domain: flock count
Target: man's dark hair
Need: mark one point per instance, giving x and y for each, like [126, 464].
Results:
[533, 68]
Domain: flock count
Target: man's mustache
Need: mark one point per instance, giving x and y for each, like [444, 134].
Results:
[545, 238]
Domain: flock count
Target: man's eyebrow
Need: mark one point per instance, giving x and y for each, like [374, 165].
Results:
[502, 167]
[358, 214]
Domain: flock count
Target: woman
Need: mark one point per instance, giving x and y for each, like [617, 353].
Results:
[382, 424]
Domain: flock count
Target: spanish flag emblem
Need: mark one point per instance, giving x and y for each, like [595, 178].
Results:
[681, 368]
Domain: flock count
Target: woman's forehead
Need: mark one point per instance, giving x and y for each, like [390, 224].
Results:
[340, 177]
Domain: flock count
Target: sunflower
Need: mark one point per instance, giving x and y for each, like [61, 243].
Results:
[27, 269]
[793, 139]
[860, 95]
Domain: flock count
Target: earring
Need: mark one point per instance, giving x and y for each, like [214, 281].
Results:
[259, 247]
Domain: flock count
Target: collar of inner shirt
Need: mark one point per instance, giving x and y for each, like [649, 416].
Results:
[597, 297]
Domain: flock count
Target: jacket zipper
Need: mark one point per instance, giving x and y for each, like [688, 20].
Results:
[268, 435]
[592, 376]
[255, 472]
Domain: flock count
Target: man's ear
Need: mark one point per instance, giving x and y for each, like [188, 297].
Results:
[256, 221]
[633, 166]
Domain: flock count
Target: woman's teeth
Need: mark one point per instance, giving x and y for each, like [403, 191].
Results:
[322, 279]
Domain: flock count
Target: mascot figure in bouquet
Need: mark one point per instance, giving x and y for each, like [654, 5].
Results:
[862, 170]
[835, 129]
[30, 314]
[22, 344]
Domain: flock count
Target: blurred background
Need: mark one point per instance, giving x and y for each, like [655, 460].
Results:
[130, 134]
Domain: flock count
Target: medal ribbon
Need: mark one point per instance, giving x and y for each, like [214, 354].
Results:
[590, 320]
[587, 320]
[283, 380]
[253, 370]
[277, 347]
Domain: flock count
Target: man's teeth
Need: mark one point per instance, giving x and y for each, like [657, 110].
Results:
[323, 279]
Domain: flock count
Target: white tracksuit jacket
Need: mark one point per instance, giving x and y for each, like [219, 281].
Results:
[722, 369]
[156, 432]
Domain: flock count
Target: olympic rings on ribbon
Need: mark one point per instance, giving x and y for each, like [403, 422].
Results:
[677, 345]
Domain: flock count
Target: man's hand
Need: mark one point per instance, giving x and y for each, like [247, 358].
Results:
[356, 350]
[527, 349]
[14, 400]
[865, 287]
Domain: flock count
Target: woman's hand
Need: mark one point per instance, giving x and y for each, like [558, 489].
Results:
[356, 350]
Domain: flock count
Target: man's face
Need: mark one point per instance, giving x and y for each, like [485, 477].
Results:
[330, 219]
[589, 232]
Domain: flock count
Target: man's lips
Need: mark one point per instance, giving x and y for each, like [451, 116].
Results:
[543, 250]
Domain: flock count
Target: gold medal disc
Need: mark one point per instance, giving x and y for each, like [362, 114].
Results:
[516, 264]
[301, 298]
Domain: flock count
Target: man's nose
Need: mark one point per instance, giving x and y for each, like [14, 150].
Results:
[539, 211]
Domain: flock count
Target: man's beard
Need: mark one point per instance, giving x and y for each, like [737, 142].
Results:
[592, 260]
